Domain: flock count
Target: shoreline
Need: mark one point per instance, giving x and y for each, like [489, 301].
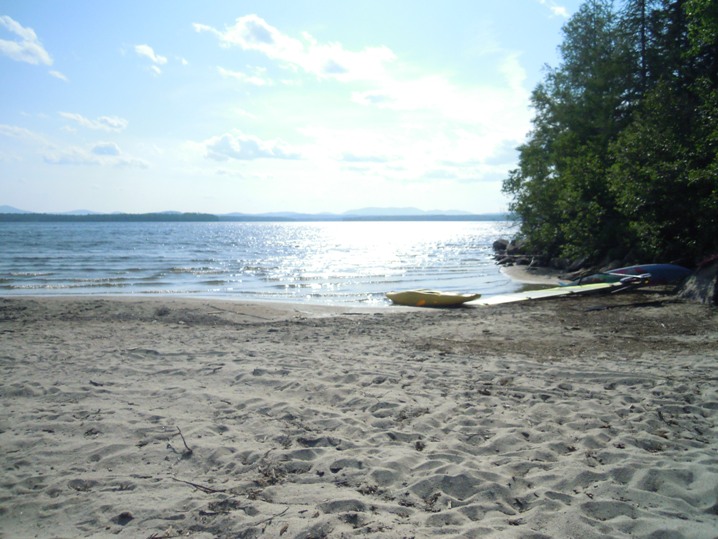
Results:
[521, 275]
[174, 417]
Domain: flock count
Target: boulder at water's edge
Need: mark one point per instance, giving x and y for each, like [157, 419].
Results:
[702, 286]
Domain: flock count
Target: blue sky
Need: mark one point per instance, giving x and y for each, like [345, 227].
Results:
[255, 106]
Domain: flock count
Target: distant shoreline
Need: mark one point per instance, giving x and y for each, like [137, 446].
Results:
[206, 217]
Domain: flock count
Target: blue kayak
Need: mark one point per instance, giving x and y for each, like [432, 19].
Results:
[651, 274]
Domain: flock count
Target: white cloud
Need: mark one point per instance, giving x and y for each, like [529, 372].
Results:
[417, 151]
[70, 156]
[351, 157]
[129, 162]
[148, 52]
[103, 153]
[498, 108]
[20, 145]
[255, 80]
[481, 105]
[25, 49]
[100, 154]
[17, 132]
[557, 9]
[513, 72]
[157, 60]
[328, 60]
[437, 128]
[106, 148]
[106, 123]
[58, 75]
[351, 144]
[237, 145]
[243, 113]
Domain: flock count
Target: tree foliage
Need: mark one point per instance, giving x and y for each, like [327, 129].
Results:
[622, 160]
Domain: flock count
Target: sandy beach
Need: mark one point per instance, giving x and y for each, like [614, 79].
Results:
[581, 418]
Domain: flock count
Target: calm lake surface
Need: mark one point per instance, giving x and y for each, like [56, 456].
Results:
[335, 263]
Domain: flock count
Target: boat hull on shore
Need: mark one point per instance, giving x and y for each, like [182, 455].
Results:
[653, 275]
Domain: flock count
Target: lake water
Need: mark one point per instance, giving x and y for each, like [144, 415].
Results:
[336, 263]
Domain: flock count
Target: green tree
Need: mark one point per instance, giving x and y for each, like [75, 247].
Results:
[664, 176]
[559, 189]
[622, 160]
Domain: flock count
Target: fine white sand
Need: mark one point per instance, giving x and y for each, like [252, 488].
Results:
[577, 417]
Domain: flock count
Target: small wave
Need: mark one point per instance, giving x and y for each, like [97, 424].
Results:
[59, 286]
[153, 282]
[213, 282]
[30, 274]
[173, 292]
[196, 271]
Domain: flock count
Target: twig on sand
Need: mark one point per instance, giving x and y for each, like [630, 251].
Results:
[188, 450]
[203, 488]
[270, 519]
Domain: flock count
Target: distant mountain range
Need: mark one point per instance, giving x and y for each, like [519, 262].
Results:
[9, 213]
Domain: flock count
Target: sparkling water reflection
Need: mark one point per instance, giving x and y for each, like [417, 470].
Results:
[332, 262]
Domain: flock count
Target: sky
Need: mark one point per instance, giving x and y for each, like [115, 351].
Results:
[249, 106]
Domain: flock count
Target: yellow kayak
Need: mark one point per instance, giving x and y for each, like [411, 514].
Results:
[430, 298]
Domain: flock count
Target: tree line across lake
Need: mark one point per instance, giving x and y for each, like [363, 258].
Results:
[174, 217]
[622, 159]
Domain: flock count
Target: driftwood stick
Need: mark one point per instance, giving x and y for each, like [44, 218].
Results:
[203, 488]
[269, 519]
[188, 450]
